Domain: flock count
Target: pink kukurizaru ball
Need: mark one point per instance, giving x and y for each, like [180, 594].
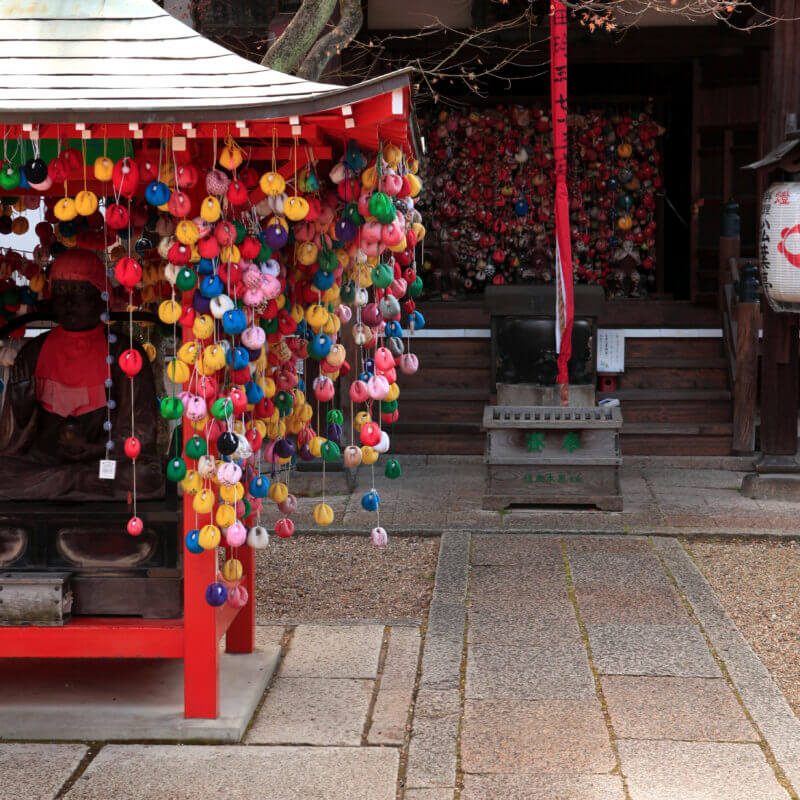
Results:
[237, 597]
[236, 535]
[289, 505]
[379, 537]
[409, 363]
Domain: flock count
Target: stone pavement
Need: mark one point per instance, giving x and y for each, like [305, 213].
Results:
[549, 667]
[591, 668]
[668, 496]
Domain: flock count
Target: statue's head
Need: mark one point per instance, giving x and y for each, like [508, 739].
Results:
[78, 280]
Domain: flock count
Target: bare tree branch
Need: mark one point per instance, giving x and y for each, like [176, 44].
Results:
[291, 47]
[333, 42]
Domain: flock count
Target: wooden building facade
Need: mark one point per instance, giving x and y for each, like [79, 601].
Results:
[707, 84]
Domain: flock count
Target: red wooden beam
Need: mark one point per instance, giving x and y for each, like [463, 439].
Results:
[96, 637]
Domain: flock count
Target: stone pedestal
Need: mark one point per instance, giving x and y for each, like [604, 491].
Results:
[775, 478]
[772, 486]
[540, 456]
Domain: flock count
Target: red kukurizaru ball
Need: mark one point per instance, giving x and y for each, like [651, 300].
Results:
[284, 528]
[135, 526]
[130, 362]
[132, 447]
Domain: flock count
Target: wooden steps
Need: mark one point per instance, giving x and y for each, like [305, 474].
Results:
[675, 398]
[674, 394]
[441, 407]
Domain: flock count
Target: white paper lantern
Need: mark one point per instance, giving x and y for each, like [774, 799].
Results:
[779, 246]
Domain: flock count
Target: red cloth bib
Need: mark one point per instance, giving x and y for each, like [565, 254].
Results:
[71, 371]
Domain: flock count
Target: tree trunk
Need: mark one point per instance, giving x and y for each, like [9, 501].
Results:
[333, 42]
[293, 44]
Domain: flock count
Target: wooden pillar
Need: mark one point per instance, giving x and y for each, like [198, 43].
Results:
[745, 388]
[241, 636]
[779, 355]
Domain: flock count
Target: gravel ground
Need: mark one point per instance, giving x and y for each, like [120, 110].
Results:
[344, 577]
[759, 585]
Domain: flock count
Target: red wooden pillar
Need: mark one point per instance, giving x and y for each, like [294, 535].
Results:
[200, 648]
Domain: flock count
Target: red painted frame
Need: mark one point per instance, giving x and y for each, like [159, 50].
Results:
[195, 637]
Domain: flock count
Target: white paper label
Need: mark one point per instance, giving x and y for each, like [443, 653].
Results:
[108, 469]
[610, 351]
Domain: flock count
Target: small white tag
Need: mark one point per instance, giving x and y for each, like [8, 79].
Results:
[108, 469]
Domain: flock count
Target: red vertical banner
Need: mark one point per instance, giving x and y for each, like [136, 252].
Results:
[563, 250]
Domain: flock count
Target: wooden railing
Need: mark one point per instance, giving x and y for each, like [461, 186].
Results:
[740, 309]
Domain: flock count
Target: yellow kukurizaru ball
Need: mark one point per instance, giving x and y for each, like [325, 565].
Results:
[323, 514]
[267, 385]
[203, 326]
[278, 492]
[178, 371]
[188, 352]
[86, 202]
[186, 232]
[392, 394]
[192, 482]
[225, 516]
[315, 446]
[361, 419]
[331, 327]
[203, 502]
[294, 424]
[210, 209]
[369, 455]
[209, 537]
[103, 168]
[169, 311]
[232, 570]
[231, 494]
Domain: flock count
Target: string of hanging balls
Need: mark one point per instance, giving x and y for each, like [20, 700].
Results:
[276, 300]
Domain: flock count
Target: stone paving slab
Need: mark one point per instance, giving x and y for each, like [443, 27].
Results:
[621, 545]
[36, 771]
[441, 661]
[437, 703]
[698, 771]
[518, 550]
[429, 794]
[432, 752]
[528, 787]
[320, 711]
[693, 709]
[530, 736]
[519, 624]
[189, 772]
[390, 715]
[558, 668]
[676, 650]
[633, 604]
[613, 569]
[528, 586]
[322, 651]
